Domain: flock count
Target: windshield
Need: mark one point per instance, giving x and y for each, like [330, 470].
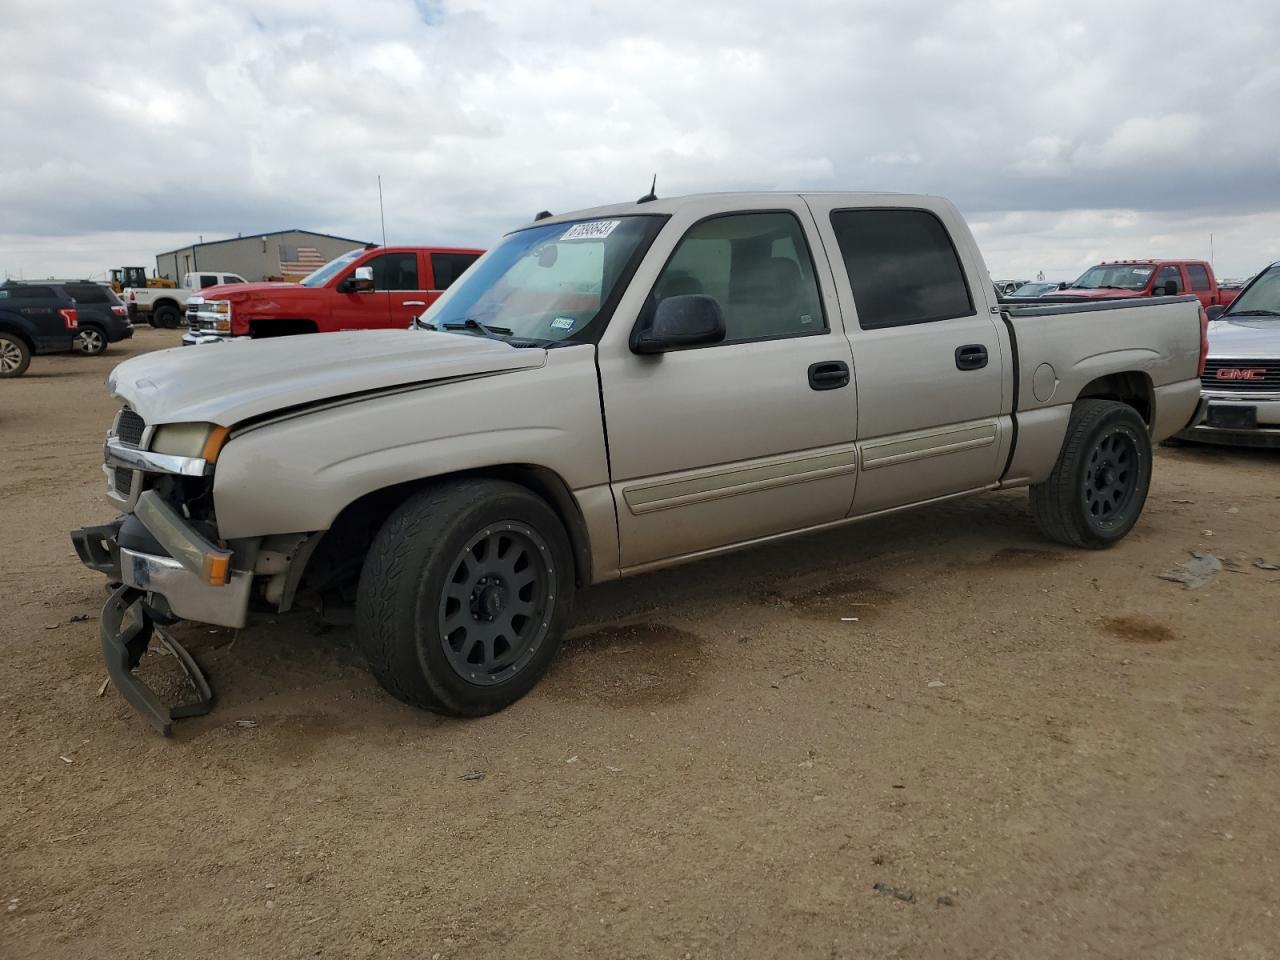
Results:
[545, 283]
[1262, 299]
[325, 273]
[1115, 276]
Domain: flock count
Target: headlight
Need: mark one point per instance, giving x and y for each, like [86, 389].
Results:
[202, 440]
[220, 307]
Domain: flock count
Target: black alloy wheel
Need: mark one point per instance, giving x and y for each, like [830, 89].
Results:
[495, 609]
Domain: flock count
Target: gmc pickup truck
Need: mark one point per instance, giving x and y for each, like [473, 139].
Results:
[1240, 384]
[610, 392]
[1121, 279]
[365, 289]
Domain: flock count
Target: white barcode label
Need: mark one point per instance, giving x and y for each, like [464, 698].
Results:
[591, 230]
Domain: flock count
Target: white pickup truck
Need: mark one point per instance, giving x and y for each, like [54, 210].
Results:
[610, 392]
[166, 306]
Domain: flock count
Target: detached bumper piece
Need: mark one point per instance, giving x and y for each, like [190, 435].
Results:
[126, 631]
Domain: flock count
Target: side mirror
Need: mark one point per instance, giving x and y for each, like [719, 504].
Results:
[1167, 289]
[1214, 312]
[359, 282]
[681, 321]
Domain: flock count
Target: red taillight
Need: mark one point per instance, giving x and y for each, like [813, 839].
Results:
[119, 310]
[133, 297]
[1204, 340]
[69, 317]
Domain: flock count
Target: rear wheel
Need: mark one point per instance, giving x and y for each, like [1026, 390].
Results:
[165, 316]
[91, 341]
[1098, 487]
[464, 596]
[15, 356]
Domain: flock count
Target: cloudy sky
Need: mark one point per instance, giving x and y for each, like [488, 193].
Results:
[1067, 133]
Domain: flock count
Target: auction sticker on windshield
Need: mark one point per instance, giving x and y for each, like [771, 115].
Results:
[591, 230]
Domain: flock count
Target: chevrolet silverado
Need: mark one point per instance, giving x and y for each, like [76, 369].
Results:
[605, 393]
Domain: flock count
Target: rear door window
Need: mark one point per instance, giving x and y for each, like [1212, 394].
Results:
[448, 267]
[1198, 276]
[902, 266]
[29, 292]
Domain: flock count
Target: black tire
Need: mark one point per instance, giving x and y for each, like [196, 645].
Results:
[424, 603]
[1098, 486]
[15, 355]
[91, 340]
[166, 317]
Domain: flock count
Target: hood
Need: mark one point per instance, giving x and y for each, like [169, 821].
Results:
[1245, 338]
[236, 291]
[228, 383]
[1099, 294]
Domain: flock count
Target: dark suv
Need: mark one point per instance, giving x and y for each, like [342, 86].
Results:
[34, 318]
[102, 315]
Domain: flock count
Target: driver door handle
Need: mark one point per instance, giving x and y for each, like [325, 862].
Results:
[413, 303]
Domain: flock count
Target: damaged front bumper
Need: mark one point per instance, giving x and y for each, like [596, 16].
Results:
[161, 570]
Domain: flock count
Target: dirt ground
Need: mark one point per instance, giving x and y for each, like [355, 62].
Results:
[1057, 753]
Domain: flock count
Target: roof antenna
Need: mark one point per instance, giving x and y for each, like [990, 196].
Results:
[541, 215]
[650, 196]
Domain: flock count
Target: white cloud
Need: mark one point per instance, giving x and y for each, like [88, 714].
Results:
[230, 115]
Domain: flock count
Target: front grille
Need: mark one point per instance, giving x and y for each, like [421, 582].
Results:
[123, 480]
[1241, 375]
[192, 309]
[130, 427]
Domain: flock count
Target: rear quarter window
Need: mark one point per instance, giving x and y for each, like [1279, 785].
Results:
[89, 293]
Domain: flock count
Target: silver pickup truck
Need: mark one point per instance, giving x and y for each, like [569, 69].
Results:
[1240, 384]
[609, 392]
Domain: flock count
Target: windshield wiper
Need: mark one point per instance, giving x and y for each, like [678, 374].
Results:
[471, 323]
[1251, 313]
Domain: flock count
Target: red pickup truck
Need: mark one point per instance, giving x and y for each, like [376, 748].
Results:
[364, 289]
[1118, 279]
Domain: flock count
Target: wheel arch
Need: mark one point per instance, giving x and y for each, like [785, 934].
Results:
[1130, 387]
[162, 302]
[353, 529]
[14, 330]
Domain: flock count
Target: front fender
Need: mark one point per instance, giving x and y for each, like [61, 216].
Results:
[296, 474]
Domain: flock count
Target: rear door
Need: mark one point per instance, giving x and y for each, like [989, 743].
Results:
[928, 352]
[1200, 284]
[401, 274]
[743, 439]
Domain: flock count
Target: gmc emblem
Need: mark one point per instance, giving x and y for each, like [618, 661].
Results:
[1235, 373]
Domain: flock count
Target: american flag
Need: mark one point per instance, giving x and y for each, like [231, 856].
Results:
[297, 262]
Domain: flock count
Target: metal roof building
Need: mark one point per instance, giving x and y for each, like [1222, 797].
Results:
[279, 255]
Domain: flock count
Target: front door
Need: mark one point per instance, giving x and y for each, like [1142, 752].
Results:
[929, 356]
[744, 439]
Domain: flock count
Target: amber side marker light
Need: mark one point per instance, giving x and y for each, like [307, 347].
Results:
[213, 446]
[217, 569]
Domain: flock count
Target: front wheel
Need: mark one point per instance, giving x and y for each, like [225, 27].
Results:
[464, 596]
[1098, 487]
